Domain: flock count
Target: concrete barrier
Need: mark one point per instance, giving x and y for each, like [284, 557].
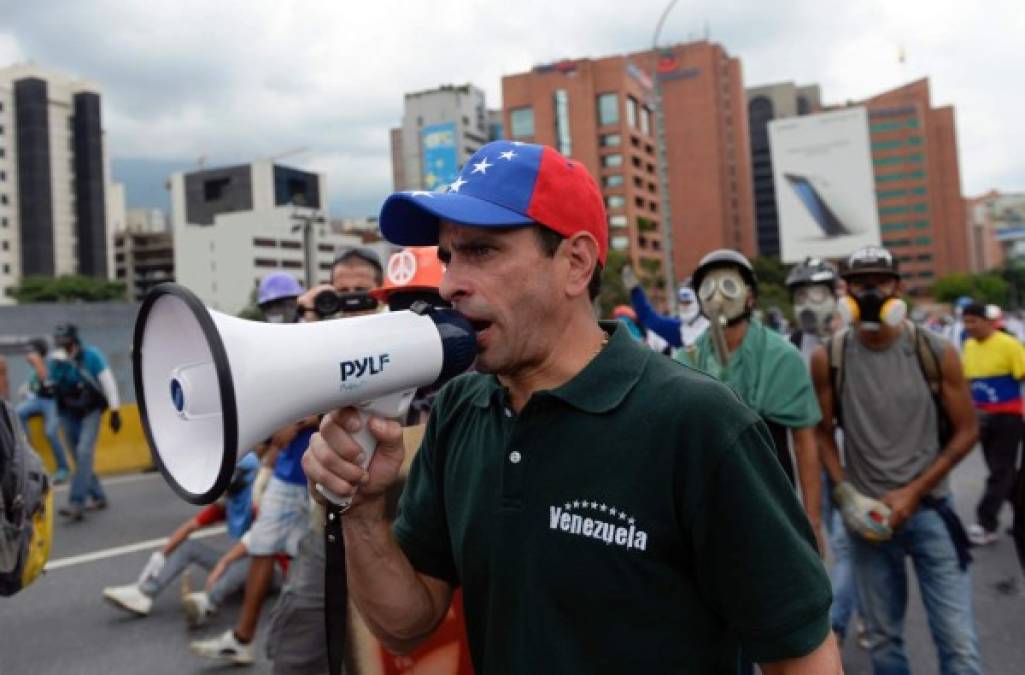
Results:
[124, 452]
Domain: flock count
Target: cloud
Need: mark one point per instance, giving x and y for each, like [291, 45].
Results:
[235, 80]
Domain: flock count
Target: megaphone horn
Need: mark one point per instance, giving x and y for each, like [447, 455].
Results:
[210, 386]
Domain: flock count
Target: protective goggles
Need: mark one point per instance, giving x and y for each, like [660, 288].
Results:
[730, 287]
[811, 295]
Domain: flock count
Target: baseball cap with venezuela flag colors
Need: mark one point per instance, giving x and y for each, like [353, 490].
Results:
[504, 184]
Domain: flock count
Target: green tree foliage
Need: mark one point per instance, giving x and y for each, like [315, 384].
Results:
[68, 289]
[772, 290]
[252, 310]
[612, 290]
[989, 287]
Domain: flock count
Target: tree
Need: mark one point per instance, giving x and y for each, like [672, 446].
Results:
[612, 290]
[68, 288]
[772, 290]
[989, 287]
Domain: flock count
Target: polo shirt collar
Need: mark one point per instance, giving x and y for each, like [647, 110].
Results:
[602, 384]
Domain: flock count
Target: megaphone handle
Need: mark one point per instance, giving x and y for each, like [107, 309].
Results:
[393, 406]
[366, 440]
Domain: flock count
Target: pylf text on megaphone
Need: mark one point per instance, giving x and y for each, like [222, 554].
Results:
[210, 386]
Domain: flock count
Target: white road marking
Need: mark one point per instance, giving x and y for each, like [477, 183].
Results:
[83, 558]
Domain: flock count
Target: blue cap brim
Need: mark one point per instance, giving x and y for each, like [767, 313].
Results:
[411, 219]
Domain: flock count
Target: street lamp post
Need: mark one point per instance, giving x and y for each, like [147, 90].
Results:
[663, 171]
[305, 222]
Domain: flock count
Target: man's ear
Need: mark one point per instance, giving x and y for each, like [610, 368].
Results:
[580, 252]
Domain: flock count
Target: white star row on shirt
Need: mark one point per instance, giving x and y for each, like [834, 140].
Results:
[601, 507]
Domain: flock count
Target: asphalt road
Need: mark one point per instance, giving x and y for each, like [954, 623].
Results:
[61, 625]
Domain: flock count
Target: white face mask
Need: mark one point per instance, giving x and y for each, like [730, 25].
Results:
[724, 292]
[688, 312]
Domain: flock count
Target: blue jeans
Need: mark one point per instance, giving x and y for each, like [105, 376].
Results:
[845, 598]
[880, 574]
[81, 432]
[47, 409]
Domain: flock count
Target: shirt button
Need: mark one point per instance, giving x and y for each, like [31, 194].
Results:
[515, 456]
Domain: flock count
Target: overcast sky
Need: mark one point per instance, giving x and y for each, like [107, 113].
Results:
[231, 80]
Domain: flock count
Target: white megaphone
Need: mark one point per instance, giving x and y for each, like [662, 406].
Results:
[210, 386]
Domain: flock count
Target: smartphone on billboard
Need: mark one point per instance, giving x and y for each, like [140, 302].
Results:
[816, 205]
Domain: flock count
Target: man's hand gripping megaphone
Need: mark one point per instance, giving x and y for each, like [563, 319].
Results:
[356, 456]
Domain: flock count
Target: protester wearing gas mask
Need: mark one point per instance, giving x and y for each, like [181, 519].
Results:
[812, 286]
[906, 412]
[761, 366]
[680, 331]
[813, 290]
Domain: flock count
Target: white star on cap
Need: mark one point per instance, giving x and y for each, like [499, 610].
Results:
[508, 154]
[420, 193]
[482, 166]
[459, 182]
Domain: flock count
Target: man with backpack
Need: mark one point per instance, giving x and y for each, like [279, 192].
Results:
[84, 387]
[900, 397]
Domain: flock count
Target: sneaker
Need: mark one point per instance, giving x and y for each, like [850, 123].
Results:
[198, 608]
[72, 512]
[129, 598]
[224, 648]
[96, 505]
[980, 536]
[61, 477]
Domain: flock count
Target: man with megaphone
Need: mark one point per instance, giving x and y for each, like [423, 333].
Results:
[603, 509]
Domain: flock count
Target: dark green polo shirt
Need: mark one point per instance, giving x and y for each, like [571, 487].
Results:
[634, 520]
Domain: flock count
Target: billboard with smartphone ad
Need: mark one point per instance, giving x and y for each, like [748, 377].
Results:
[825, 188]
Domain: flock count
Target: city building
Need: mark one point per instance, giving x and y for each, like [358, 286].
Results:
[918, 184]
[996, 229]
[143, 258]
[764, 104]
[233, 225]
[54, 178]
[601, 112]
[441, 129]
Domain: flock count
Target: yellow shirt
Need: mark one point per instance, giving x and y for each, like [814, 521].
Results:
[995, 367]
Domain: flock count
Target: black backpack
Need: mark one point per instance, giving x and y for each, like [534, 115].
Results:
[929, 363]
[26, 507]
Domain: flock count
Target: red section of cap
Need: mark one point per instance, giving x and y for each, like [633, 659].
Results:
[567, 200]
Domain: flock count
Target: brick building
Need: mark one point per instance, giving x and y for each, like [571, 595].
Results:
[918, 184]
[601, 112]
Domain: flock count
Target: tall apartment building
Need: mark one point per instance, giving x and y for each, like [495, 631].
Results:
[764, 104]
[54, 178]
[233, 225]
[996, 229]
[601, 112]
[142, 259]
[918, 184]
[441, 129]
